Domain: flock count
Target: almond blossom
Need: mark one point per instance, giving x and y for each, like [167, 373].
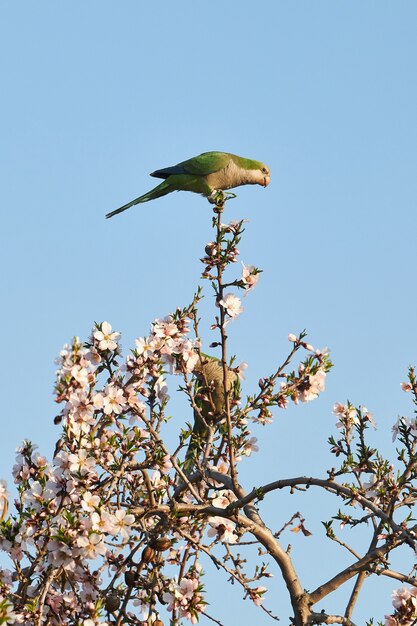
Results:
[223, 498]
[250, 446]
[250, 276]
[81, 462]
[347, 415]
[90, 502]
[112, 401]
[91, 546]
[223, 529]
[122, 521]
[406, 386]
[401, 596]
[185, 598]
[315, 386]
[257, 595]
[232, 305]
[106, 339]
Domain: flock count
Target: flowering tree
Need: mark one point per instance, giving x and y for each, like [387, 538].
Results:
[118, 527]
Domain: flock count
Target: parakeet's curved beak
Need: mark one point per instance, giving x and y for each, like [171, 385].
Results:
[267, 180]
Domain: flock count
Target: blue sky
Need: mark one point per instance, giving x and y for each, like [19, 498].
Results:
[96, 95]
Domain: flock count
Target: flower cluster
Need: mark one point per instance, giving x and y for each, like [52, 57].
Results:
[404, 601]
[185, 597]
[113, 529]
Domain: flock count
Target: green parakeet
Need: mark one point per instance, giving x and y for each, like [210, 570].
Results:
[209, 383]
[205, 174]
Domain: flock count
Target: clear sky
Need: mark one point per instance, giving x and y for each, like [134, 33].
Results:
[95, 95]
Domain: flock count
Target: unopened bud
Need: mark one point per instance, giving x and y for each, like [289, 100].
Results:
[211, 249]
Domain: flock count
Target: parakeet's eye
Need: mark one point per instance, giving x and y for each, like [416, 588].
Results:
[264, 170]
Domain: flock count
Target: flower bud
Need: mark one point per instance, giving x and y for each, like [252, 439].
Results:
[211, 249]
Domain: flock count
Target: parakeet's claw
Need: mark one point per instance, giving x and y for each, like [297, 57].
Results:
[219, 197]
[213, 197]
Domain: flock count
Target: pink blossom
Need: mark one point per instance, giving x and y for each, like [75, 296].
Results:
[145, 346]
[89, 502]
[158, 481]
[292, 338]
[105, 338]
[165, 464]
[250, 446]
[112, 401]
[165, 327]
[316, 386]
[347, 415]
[241, 368]
[91, 546]
[6, 576]
[339, 408]
[81, 375]
[368, 416]
[122, 522]
[250, 276]
[256, 595]
[60, 554]
[80, 412]
[232, 305]
[185, 597]
[161, 389]
[406, 386]
[37, 495]
[399, 597]
[223, 498]
[3, 489]
[222, 528]
[103, 522]
[401, 421]
[81, 462]
[7, 616]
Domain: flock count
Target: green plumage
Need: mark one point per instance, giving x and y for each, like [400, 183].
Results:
[209, 384]
[205, 174]
[202, 165]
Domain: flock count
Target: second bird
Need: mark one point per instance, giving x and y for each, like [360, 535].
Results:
[205, 174]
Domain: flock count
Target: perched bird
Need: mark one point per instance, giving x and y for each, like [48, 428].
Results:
[210, 399]
[205, 174]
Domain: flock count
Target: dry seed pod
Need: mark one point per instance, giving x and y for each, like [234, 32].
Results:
[112, 603]
[161, 543]
[148, 554]
[130, 578]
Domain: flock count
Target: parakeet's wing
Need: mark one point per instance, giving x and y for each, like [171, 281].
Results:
[202, 165]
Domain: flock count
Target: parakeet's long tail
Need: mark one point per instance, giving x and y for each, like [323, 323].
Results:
[157, 192]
